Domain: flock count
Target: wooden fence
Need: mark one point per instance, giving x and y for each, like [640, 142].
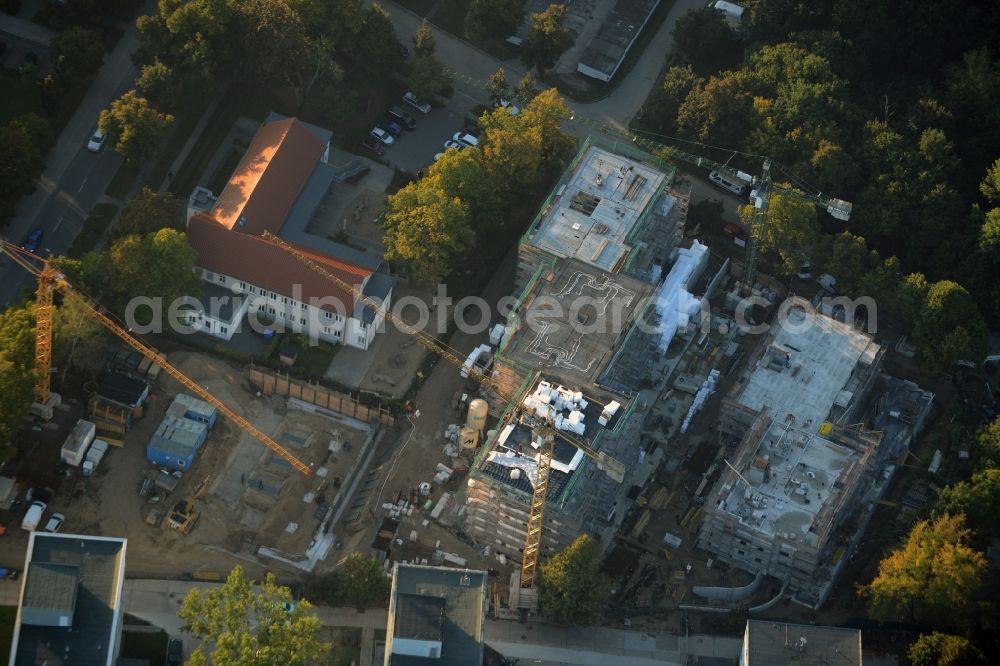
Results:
[269, 382]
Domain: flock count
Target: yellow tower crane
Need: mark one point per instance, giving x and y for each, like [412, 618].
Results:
[51, 280]
[544, 431]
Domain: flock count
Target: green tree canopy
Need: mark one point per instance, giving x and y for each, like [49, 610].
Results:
[147, 213]
[978, 499]
[428, 77]
[938, 649]
[571, 588]
[134, 127]
[426, 228]
[377, 54]
[930, 577]
[949, 327]
[493, 19]
[251, 626]
[704, 41]
[22, 155]
[526, 89]
[497, 86]
[790, 231]
[990, 185]
[423, 39]
[362, 582]
[157, 265]
[77, 53]
[17, 369]
[548, 40]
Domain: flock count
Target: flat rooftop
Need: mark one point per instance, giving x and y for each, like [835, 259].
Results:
[456, 598]
[593, 216]
[608, 47]
[806, 368]
[94, 588]
[786, 481]
[770, 643]
[572, 319]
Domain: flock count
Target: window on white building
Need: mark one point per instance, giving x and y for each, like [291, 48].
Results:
[304, 306]
[326, 330]
[273, 295]
[253, 289]
[302, 321]
[243, 285]
[260, 307]
[223, 329]
[222, 279]
[270, 310]
[328, 315]
[284, 299]
[361, 339]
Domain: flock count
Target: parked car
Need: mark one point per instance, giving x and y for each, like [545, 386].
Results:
[55, 522]
[175, 652]
[740, 236]
[505, 104]
[438, 156]
[404, 52]
[33, 516]
[405, 119]
[411, 99]
[32, 240]
[454, 144]
[96, 141]
[467, 139]
[391, 127]
[474, 130]
[382, 136]
[375, 146]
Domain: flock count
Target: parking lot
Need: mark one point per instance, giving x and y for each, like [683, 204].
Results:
[415, 149]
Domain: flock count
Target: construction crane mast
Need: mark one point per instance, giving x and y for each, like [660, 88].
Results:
[543, 431]
[760, 195]
[51, 280]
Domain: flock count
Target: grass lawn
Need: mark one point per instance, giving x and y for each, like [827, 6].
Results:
[19, 96]
[7, 616]
[143, 645]
[182, 129]
[313, 360]
[599, 89]
[450, 16]
[93, 228]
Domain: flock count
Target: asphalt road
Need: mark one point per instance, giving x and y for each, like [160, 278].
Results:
[75, 178]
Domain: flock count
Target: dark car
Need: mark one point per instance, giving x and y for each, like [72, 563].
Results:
[391, 127]
[374, 145]
[175, 652]
[404, 52]
[32, 241]
[402, 117]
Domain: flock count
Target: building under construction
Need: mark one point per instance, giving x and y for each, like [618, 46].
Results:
[821, 430]
[589, 266]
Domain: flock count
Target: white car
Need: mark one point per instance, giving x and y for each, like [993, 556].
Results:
[508, 105]
[55, 522]
[96, 141]
[438, 156]
[457, 145]
[411, 99]
[382, 136]
[467, 139]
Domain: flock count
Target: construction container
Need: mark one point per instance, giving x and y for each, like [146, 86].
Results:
[74, 449]
[196, 409]
[176, 443]
[94, 456]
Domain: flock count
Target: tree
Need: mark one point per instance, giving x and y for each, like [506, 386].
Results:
[549, 39]
[423, 40]
[363, 584]
[718, 112]
[157, 265]
[17, 370]
[949, 327]
[77, 53]
[21, 159]
[790, 230]
[428, 77]
[160, 84]
[76, 332]
[931, 576]
[377, 54]
[251, 626]
[427, 229]
[148, 212]
[703, 40]
[493, 19]
[938, 649]
[665, 101]
[990, 185]
[526, 89]
[571, 588]
[978, 499]
[134, 127]
[850, 261]
[497, 87]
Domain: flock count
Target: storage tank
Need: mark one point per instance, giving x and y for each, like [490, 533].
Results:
[478, 409]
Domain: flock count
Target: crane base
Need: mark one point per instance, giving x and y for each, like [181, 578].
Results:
[46, 411]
